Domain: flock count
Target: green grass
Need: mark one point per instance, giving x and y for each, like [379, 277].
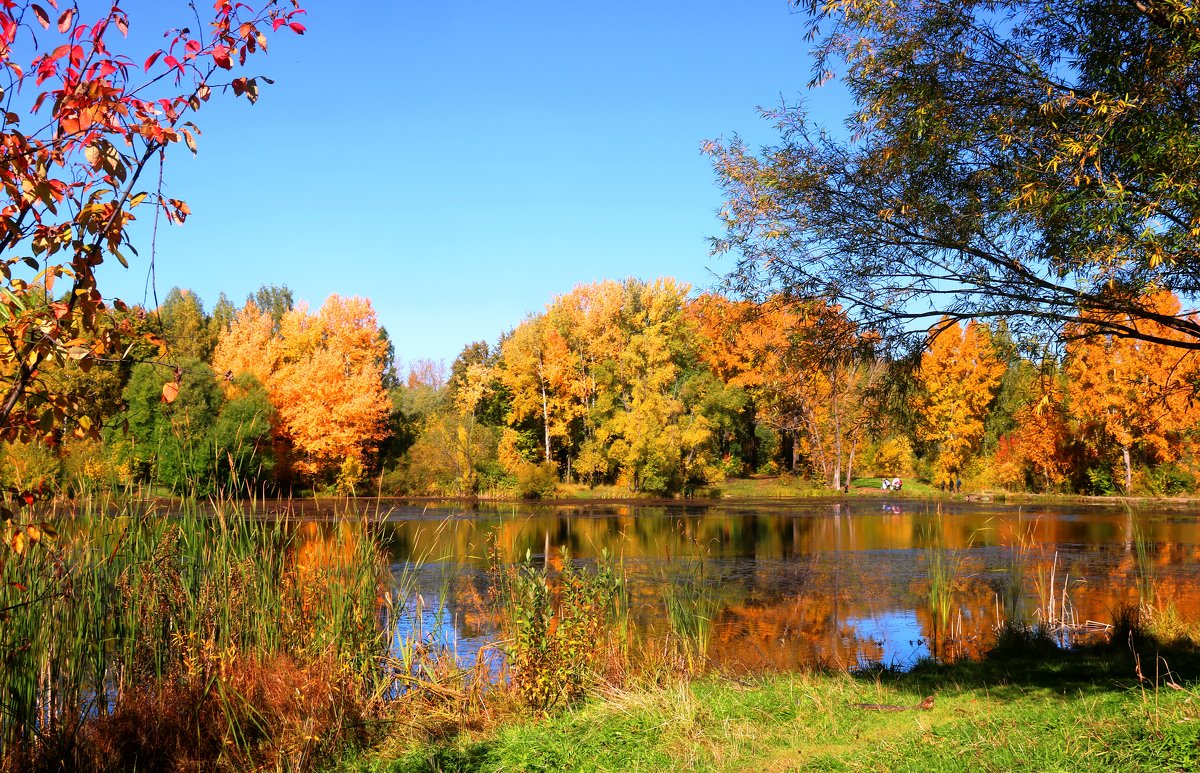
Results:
[1070, 712]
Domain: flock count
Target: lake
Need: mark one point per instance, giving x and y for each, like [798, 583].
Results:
[789, 585]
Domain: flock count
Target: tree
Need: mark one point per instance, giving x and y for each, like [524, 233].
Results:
[83, 120]
[185, 325]
[1133, 394]
[275, 300]
[810, 371]
[200, 442]
[958, 378]
[324, 375]
[1035, 446]
[1033, 161]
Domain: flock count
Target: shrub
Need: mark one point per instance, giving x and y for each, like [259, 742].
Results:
[559, 634]
[1168, 480]
[536, 481]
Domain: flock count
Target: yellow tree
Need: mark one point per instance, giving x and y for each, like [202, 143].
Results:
[610, 377]
[1132, 393]
[960, 371]
[248, 346]
[536, 370]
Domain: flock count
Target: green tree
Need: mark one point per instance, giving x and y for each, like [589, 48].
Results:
[275, 300]
[221, 319]
[1035, 161]
[199, 443]
[185, 326]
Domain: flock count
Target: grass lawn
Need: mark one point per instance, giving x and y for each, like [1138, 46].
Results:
[1058, 712]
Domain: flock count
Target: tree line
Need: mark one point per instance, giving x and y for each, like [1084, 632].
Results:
[645, 387]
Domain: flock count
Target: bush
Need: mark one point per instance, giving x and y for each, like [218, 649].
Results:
[559, 634]
[536, 481]
[1100, 481]
[29, 466]
[1168, 480]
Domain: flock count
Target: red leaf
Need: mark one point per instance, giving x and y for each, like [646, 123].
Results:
[297, 27]
[42, 17]
[152, 59]
[220, 55]
[64, 21]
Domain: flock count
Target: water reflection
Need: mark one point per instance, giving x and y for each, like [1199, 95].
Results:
[789, 586]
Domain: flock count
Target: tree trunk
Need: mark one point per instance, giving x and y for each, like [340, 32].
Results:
[546, 420]
[850, 464]
[1128, 468]
[749, 440]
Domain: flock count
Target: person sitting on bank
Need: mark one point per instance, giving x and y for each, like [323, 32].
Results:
[887, 484]
[896, 484]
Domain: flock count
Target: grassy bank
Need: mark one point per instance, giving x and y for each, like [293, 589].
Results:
[1053, 711]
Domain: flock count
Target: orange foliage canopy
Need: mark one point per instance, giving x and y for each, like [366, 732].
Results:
[1134, 394]
[324, 375]
[804, 366]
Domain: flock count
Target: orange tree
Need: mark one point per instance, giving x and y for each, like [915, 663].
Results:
[84, 116]
[958, 377]
[1134, 396]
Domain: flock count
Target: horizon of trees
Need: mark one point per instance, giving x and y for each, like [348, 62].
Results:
[643, 386]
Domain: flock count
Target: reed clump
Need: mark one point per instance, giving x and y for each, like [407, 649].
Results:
[197, 641]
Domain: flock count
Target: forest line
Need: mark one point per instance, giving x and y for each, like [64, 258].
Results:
[642, 386]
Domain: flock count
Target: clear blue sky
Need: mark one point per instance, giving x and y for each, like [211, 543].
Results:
[461, 163]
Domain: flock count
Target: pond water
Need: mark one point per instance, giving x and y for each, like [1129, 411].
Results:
[790, 585]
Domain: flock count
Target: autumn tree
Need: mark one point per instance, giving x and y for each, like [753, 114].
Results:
[958, 376]
[1132, 395]
[810, 372]
[1029, 161]
[324, 375]
[611, 379]
[85, 117]
[1035, 449]
[536, 366]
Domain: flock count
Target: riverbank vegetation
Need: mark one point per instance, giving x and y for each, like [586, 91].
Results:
[137, 640]
[226, 641]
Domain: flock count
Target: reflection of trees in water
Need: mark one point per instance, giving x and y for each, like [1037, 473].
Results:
[789, 583]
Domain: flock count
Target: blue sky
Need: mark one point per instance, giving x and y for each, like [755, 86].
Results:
[461, 163]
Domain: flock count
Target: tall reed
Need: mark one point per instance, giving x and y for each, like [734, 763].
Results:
[105, 609]
[691, 604]
[943, 570]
